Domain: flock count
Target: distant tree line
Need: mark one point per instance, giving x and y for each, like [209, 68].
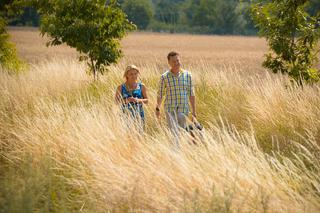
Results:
[222, 17]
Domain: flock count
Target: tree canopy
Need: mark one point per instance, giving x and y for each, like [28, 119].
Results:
[188, 16]
[139, 12]
[292, 34]
[93, 27]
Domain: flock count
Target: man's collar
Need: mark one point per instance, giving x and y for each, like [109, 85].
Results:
[180, 71]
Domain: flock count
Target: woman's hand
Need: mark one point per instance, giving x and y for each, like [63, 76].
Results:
[132, 100]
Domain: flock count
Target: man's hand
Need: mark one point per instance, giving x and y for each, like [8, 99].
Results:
[159, 100]
[158, 113]
[192, 100]
[194, 117]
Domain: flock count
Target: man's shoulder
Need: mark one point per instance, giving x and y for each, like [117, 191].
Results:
[166, 73]
[186, 72]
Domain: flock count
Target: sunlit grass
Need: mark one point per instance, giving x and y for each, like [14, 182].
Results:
[64, 145]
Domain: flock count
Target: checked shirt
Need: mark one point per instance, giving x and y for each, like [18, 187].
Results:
[176, 89]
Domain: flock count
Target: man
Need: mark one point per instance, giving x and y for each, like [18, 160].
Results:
[177, 88]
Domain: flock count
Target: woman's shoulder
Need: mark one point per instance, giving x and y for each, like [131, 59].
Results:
[120, 86]
[142, 85]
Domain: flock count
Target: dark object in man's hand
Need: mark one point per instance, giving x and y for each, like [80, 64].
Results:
[194, 126]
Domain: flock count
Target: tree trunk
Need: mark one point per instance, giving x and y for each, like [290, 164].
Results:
[93, 68]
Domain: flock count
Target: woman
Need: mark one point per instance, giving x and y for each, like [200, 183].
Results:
[132, 94]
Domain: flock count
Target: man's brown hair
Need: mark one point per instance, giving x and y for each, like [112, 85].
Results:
[171, 54]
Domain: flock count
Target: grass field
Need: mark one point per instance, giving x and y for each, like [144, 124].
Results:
[64, 146]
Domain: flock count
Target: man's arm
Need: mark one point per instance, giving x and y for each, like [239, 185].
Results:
[160, 94]
[192, 97]
[192, 100]
[159, 101]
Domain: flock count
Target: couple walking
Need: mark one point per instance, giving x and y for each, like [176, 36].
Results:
[175, 86]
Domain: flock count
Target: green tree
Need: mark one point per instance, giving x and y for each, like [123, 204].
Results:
[140, 12]
[216, 16]
[167, 12]
[204, 14]
[28, 17]
[313, 7]
[292, 35]
[93, 27]
[8, 54]
[245, 10]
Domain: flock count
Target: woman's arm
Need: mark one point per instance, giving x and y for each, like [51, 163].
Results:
[118, 96]
[144, 100]
[144, 94]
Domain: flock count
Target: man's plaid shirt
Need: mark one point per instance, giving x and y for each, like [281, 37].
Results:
[177, 90]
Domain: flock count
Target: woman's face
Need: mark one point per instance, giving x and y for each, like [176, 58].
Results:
[132, 75]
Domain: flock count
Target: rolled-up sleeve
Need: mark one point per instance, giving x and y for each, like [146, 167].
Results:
[161, 88]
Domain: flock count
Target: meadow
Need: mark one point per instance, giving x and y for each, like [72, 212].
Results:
[65, 148]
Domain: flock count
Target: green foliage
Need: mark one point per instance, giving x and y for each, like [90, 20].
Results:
[4, 4]
[292, 35]
[313, 7]
[201, 16]
[9, 60]
[208, 15]
[94, 28]
[167, 11]
[27, 17]
[140, 12]
[193, 16]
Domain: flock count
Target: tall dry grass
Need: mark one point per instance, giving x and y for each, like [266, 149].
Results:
[64, 145]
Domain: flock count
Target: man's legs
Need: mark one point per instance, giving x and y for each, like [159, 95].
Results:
[175, 121]
[182, 120]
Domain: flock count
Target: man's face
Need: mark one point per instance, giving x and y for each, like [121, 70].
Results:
[174, 62]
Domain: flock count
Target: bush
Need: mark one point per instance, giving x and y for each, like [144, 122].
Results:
[9, 60]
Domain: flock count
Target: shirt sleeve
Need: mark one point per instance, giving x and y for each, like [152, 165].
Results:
[161, 88]
[190, 86]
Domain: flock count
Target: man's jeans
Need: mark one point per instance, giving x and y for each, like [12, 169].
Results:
[176, 120]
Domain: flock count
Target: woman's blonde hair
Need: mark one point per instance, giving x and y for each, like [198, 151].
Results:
[130, 67]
